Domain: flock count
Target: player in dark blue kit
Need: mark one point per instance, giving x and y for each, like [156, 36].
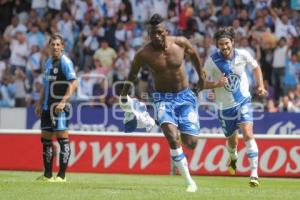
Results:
[59, 83]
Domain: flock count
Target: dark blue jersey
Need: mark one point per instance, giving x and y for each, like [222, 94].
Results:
[57, 76]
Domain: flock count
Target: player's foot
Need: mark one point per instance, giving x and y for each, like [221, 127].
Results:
[192, 188]
[45, 179]
[253, 181]
[60, 180]
[232, 167]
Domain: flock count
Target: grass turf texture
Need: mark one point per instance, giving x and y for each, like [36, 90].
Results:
[17, 185]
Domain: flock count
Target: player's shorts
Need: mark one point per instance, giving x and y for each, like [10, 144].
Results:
[179, 109]
[58, 122]
[230, 118]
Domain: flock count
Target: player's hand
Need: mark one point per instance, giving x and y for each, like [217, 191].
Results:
[261, 91]
[124, 103]
[200, 83]
[60, 107]
[38, 110]
[222, 81]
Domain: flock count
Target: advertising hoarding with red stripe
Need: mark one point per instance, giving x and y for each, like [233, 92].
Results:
[149, 154]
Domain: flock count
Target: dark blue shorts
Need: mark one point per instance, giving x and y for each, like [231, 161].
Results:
[54, 122]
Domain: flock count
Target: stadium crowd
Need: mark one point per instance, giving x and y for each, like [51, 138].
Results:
[102, 37]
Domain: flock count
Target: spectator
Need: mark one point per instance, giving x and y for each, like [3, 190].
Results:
[226, 17]
[85, 86]
[22, 86]
[7, 92]
[292, 71]
[106, 55]
[296, 99]
[40, 6]
[85, 23]
[141, 10]
[103, 93]
[90, 45]
[78, 9]
[286, 105]
[122, 66]
[19, 52]
[66, 27]
[270, 107]
[283, 28]
[13, 28]
[35, 37]
[279, 61]
[125, 11]
[35, 94]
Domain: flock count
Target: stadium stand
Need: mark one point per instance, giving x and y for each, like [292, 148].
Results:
[103, 35]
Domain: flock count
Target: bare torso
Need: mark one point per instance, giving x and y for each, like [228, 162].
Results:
[166, 66]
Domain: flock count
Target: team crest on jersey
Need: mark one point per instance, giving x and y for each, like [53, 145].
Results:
[55, 70]
[192, 117]
[233, 84]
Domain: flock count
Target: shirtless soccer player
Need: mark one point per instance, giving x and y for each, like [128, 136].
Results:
[175, 102]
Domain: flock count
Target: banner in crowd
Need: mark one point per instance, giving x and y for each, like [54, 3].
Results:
[97, 118]
[148, 154]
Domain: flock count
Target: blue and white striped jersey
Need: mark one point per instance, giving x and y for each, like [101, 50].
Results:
[237, 89]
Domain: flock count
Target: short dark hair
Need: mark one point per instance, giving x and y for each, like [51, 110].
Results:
[225, 32]
[56, 36]
[155, 20]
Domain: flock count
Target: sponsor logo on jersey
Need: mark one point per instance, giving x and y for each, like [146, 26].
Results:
[233, 84]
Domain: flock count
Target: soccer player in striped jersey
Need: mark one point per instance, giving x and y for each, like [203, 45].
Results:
[225, 72]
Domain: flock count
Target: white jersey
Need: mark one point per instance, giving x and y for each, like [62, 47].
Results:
[237, 89]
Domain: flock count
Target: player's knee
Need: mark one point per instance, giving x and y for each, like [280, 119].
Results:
[173, 139]
[46, 141]
[64, 144]
[191, 144]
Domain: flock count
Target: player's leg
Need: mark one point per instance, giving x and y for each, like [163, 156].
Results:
[188, 120]
[178, 157]
[245, 122]
[62, 134]
[188, 124]
[228, 120]
[64, 154]
[48, 153]
[231, 146]
[190, 141]
[252, 151]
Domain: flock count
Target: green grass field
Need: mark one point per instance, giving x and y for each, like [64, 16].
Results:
[82, 186]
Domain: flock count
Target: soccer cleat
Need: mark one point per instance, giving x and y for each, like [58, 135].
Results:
[60, 180]
[232, 167]
[253, 182]
[191, 188]
[45, 179]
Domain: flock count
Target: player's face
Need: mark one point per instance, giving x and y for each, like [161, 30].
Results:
[157, 34]
[56, 48]
[226, 47]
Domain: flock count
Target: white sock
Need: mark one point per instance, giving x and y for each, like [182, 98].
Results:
[180, 162]
[232, 153]
[252, 153]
